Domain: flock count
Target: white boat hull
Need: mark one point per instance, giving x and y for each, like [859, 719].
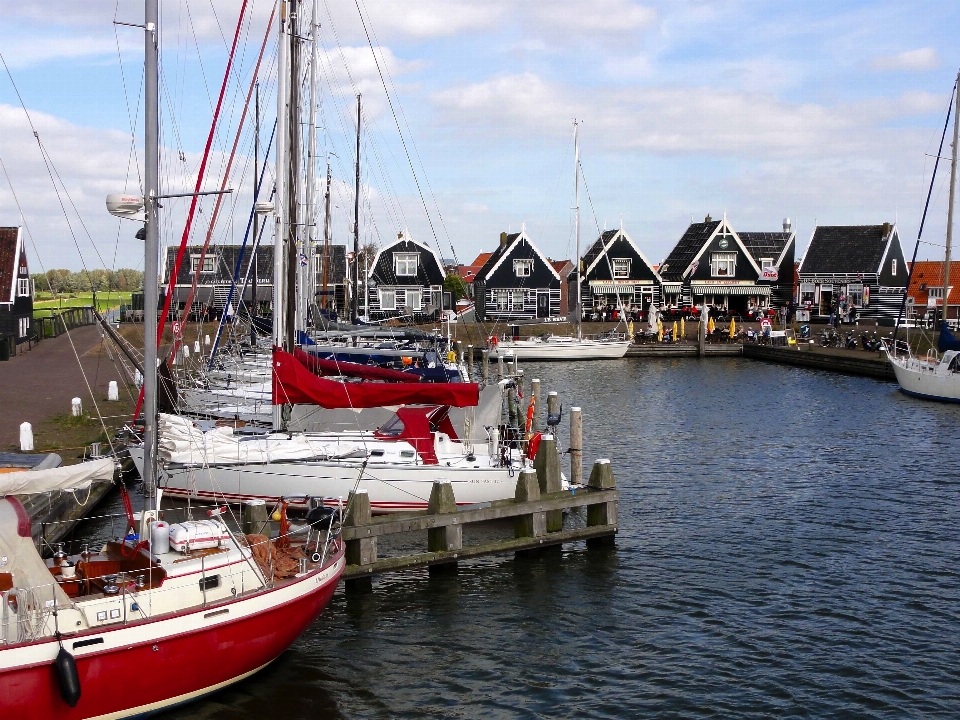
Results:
[560, 349]
[926, 380]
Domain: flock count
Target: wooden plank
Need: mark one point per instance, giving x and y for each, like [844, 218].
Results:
[496, 511]
[411, 562]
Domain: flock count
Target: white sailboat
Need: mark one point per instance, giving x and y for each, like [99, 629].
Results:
[934, 376]
[557, 347]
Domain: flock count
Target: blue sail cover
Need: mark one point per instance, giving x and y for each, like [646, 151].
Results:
[947, 340]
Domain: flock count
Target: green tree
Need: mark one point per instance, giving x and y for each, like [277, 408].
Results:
[455, 285]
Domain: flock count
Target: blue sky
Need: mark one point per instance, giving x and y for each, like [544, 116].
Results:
[818, 111]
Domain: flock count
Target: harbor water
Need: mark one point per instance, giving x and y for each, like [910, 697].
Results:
[788, 547]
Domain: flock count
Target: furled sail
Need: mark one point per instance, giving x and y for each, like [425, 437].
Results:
[321, 366]
[947, 340]
[68, 477]
[294, 383]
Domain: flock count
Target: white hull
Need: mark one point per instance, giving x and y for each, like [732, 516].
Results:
[925, 379]
[392, 487]
[560, 349]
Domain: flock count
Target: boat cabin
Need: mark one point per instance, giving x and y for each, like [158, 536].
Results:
[423, 426]
[517, 282]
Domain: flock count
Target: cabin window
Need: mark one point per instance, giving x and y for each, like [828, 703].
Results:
[893, 266]
[523, 268]
[855, 294]
[23, 326]
[388, 299]
[413, 300]
[209, 263]
[405, 264]
[621, 268]
[23, 287]
[723, 264]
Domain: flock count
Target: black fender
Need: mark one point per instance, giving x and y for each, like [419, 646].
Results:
[67, 677]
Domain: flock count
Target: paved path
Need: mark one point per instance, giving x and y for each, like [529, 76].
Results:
[38, 384]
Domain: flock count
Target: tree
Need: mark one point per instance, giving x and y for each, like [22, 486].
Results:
[455, 285]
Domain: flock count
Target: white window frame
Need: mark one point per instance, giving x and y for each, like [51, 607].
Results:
[209, 264]
[726, 260]
[893, 266]
[501, 299]
[413, 300]
[523, 268]
[23, 287]
[766, 264]
[388, 298]
[618, 265]
[401, 264]
[23, 326]
[855, 294]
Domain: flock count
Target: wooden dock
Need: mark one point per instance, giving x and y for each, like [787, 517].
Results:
[537, 510]
[686, 350]
[848, 362]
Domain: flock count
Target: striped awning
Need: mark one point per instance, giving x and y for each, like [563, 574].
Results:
[672, 287]
[711, 289]
[609, 288]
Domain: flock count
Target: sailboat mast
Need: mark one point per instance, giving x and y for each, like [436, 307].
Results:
[280, 215]
[310, 275]
[356, 228]
[576, 184]
[326, 240]
[151, 291]
[293, 181]
[953, 188]
[256, 215]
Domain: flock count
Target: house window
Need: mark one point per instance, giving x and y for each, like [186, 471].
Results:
[621, 268]
[209, 263]
[523, 268]
[855, 294]
[413, 300]
[893, 266]
[405, 264]
[766, 263]
[388, 299]
[807, 294]
[723, 264]
[23, 326]
[23, 287]
[508, 300]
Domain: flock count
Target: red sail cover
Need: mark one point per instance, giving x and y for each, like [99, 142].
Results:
[294, 383]
[321, 366]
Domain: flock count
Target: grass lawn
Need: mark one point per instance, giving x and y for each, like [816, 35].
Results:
[45, 305]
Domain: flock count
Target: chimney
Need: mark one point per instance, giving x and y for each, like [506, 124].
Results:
[708, 218]
[786, 226]
[503, 239]
[886, 229]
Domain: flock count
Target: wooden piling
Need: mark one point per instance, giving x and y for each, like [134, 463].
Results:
[576, 446]
[510, 370]
[448, 538]
[253, 517]
[605, 513]
[485, 364]
[702, 340]
[535, 398]
[547, 466]
[470, 370]
[535, 524]
[553, 402]
[360, 551]
[500, 367]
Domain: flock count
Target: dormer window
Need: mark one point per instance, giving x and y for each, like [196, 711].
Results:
[405, 264]
[523, 268]
[621, 268]
[209, 263]
[723, 264]
[23, 287]
[766, 263]
[893, 266]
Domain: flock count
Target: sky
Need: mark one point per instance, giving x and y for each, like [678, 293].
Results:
[824, 112]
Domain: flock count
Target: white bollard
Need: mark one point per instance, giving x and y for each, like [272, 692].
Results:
[138, 378]
[76, 407]
[113, 392]
[206, 340]
[26, 437]
[196, 347]
[186, 351]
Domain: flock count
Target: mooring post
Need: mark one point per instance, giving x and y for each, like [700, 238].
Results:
[535, 399]
[485, 364]
[553, 403]
[450, 537]
[253, 517]
[576, 446]
[510, 368]
[528, 490]
[362, 551]
[499, 366]
[470, 371]
[704, 317]
[547, 466]
[605, 513]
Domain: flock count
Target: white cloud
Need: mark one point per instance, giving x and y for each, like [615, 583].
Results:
[910, 60]
[599, 17]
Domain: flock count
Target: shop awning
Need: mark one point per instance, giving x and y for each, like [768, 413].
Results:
[672, 287]
[711, 289]
[598, 287]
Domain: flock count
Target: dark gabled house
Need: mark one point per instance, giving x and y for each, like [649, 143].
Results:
[615, 273]
[16, 291]
[774, 252]
[711, 266]
[405, 280]
[216, 276]
[517, 282]
[860, 265]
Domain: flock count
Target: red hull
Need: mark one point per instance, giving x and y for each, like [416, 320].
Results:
[167, 670]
